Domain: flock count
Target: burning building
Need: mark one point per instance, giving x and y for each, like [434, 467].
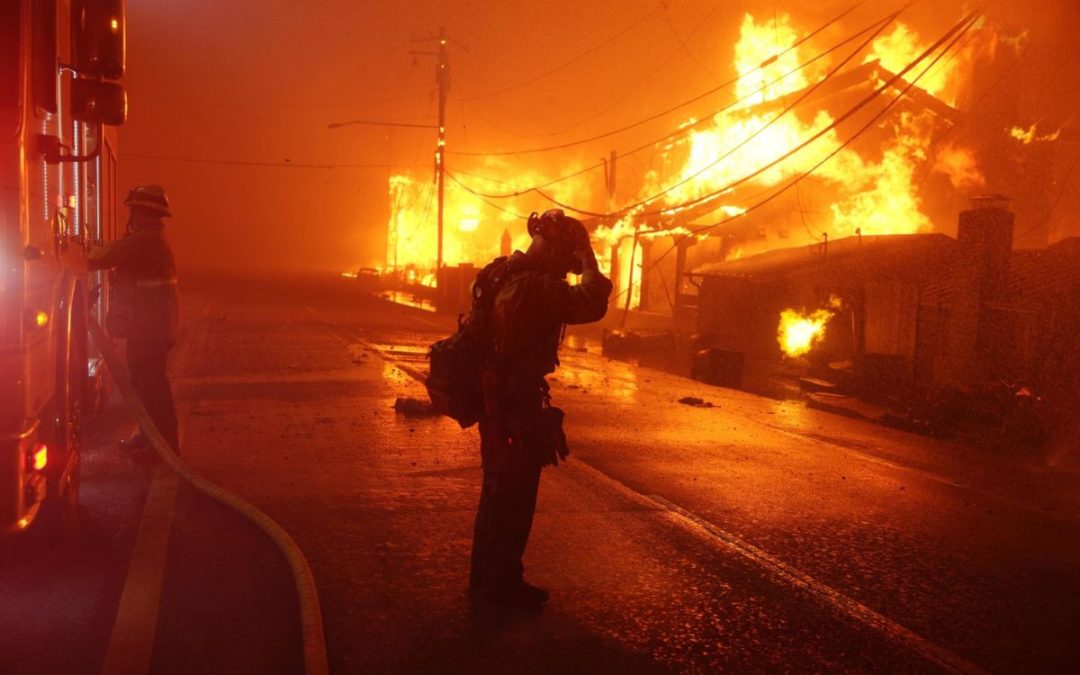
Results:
[829, 132]
[853, 300]
[905, 317]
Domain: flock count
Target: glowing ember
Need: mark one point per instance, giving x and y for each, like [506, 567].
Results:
[798, 333]
[1026, 136]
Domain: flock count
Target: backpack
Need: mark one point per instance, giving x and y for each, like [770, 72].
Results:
[461, 363]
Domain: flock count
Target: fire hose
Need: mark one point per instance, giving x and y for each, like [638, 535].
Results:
[311, 625]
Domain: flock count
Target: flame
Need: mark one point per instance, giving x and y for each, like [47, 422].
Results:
[760, 58]
[869, 194]
[798, 333]
[896, 49]
[470, 219]
[872, 189]
[1029, 135]
[878, 197]
[472, 229]
[960, 165]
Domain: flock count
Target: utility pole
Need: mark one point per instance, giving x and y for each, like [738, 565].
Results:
[442, 78]
[609, 185]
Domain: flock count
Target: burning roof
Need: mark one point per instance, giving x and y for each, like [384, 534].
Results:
[880, 254]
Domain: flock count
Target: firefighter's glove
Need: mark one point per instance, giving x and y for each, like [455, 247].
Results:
[579, 239]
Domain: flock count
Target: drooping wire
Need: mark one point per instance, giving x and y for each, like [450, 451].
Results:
[668, 111]
[484, 199]
[959, 30]
[685, 129]
[646, 201]
[757, 132]
[611, 106]
[682, 42]
[1053, 205]
[569, 62]
[283, 106]
[620, 98]
[976, 104]
[239, 162]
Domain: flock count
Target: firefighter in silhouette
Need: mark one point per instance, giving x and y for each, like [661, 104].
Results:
[144, 307]
[520, 432]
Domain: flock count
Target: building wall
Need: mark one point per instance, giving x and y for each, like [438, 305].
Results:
[741, 313]
[891, 310]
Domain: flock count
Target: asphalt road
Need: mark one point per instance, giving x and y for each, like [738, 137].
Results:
[750, 536]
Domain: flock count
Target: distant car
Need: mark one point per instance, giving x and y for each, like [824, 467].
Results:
[368, 278]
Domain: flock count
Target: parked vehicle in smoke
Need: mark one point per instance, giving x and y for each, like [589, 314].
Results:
[57, 199]
[368, 278]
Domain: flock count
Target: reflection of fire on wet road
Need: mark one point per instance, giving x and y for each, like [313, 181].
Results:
[614, 378]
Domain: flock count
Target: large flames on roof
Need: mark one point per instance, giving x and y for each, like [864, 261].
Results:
[872, 188]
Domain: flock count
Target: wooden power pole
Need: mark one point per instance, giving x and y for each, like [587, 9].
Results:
[442, 78]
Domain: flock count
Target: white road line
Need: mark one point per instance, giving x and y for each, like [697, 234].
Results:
[134, 632]
[844, 604]
[131, 644]
[780, 570]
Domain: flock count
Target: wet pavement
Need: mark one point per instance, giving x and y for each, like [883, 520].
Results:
[751, 536]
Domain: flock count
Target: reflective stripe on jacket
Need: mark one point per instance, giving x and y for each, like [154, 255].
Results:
[146, 278]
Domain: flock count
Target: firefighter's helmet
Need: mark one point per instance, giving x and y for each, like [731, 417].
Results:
[556, 227]
[150, 197]
[563, 232]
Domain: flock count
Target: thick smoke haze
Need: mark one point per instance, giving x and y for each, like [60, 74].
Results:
[253, 85]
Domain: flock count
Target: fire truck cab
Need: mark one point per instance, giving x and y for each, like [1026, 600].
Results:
[59, 102]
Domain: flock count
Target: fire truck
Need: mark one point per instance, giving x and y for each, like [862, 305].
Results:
[59, 104]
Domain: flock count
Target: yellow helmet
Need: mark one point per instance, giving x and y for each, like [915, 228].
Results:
[150, 197]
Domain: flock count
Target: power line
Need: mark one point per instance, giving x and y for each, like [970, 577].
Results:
[1050, 211]
[484, 199]
[615, 103]
[788, 108]
[484, 178]
[972, 106]
[564, 64]
[282, 106]
[380, 123]
[682, 42]
[724, 85]
[964, 25]
[861, 104]
[591, 116]
[685, 129]
[237, 162]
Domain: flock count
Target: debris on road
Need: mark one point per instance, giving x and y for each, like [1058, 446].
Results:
[414, 408]
[696, 402]
[845, 405]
